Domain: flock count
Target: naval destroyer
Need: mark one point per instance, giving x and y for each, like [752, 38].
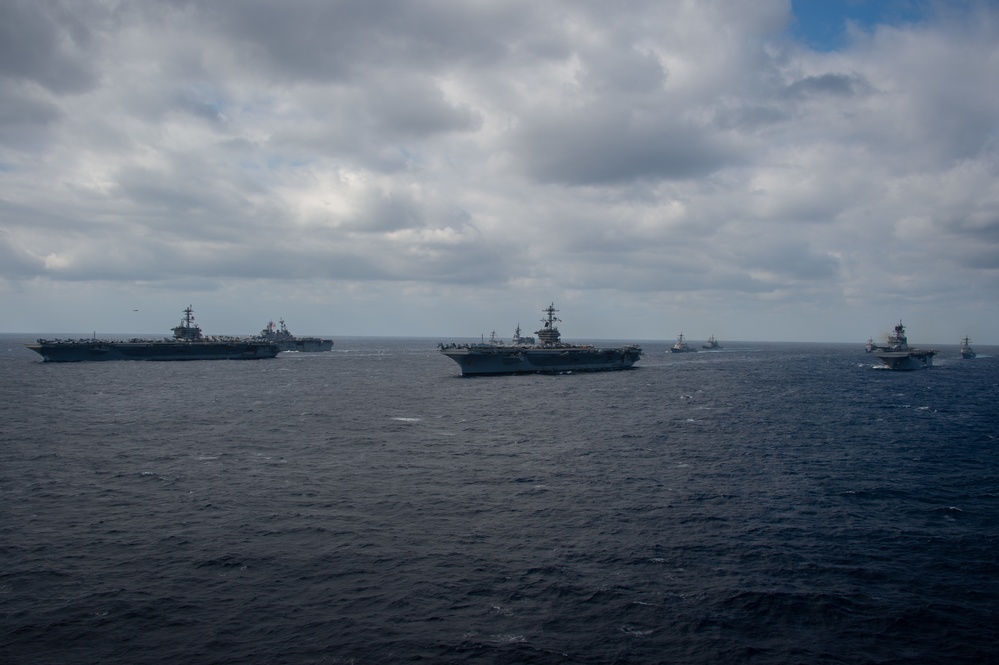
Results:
[899, 355]
[188, 343]
[288, 342]
[547, 355]
[681, 346]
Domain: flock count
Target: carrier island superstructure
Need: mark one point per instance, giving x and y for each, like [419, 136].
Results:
[548, 355]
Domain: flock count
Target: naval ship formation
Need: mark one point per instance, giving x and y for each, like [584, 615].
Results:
[288, 342]
[548, 355]
[188, 343]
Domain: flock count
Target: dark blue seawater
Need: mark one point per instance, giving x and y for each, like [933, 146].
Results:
[763, 504]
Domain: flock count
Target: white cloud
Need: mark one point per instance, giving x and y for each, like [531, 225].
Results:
[678, 165]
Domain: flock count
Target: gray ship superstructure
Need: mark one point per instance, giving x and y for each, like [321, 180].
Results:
[188, 343]
[897, 354]
[546, 355]
[288, 342]
[522, 340]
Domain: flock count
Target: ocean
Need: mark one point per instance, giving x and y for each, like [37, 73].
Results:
[767, 503]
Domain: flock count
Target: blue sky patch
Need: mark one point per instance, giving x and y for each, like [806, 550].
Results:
[821, 24]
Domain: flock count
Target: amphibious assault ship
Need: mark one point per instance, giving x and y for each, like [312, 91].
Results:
[188, 343]
[548, 355]
[898, 355]
[288, 342]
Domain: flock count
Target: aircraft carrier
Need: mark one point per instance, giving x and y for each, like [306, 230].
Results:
[188, 343]
[548, 355]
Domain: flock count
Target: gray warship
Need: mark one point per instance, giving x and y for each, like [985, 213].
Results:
[712, 344]
[681, 346]
[548, 355]
[188, 343]
[898, 355]
[966, 351]
[288, 342]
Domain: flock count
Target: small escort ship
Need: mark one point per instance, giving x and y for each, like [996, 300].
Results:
[188, 343]
[288, 342]
[966, 351]
[898, 355]
[548, 355]
[711, 344]
[681, 346]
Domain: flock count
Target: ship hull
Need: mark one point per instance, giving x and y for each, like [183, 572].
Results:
[475, 361]
[101, 350]
[306, 345]
[906, 360]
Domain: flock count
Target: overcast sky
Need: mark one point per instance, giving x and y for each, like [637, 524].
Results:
[760, 170]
